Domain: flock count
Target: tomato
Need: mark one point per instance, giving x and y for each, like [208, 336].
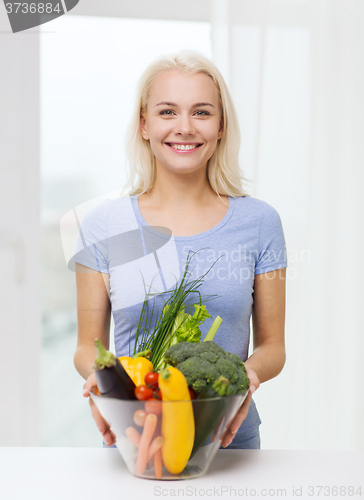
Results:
[151, 380]
[142, 392]
[157, 394]
[153, 406]
[192, 393]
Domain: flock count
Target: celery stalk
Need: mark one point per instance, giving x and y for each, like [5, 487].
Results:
[213, 329]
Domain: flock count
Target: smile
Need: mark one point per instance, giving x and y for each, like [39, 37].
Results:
[183, 147]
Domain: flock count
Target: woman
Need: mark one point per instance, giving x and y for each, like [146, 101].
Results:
[185, 176]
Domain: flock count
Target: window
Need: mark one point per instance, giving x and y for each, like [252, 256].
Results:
[89, 69]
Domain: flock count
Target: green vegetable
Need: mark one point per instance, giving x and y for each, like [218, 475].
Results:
[215, 389]
[185, 327]
[204, 363]
[177, 321]
[213, 329]
[188, 326]
[208, 413]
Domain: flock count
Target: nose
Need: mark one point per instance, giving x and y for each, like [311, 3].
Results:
[184, 125]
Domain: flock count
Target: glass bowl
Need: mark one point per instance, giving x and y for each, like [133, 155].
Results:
[206, 420]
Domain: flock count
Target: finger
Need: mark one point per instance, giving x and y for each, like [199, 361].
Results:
[227, 439]
[217, 429]
[253, 377]
[236, 423]
[241, 415]
[109, 437]
[89, 385]
[101, 423]
[90, 381]
[88, 389]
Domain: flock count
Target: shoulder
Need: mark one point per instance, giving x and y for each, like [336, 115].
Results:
[109, 217]
[98, 210]
[253, 204]
[94, 211]
[93, 214]
[255, 209]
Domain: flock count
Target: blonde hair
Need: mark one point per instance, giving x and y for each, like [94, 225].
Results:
[223, 170]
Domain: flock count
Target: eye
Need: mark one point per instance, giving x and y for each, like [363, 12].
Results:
[201, 112]
[167, 112]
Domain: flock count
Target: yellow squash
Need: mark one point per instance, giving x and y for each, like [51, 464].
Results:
[136, 368]
[178, 424]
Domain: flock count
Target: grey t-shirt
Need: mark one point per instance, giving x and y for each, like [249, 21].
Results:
[115, 239]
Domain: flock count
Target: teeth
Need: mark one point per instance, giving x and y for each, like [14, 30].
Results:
[183, 147]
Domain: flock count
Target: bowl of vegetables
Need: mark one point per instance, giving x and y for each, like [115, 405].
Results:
[169, 423]
[168, 440]
[171, 401]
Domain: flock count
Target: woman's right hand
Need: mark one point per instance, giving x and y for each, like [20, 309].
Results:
[101, 423]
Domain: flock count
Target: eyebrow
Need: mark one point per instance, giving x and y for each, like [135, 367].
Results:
[198, 104]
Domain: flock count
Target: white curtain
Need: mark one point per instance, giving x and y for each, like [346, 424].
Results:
[296, 72]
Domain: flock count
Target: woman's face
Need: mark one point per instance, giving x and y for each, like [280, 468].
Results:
[182, 121]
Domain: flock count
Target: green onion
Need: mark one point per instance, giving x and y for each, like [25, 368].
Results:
[183, 296]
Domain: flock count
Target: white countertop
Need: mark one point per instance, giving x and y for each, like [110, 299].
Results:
[100, 473]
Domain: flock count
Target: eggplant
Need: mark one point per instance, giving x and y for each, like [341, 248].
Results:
[112, 379]
[207, 414]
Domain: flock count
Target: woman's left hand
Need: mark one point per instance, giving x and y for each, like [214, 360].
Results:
[243, 411]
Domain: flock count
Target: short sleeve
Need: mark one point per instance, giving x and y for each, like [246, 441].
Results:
[91, 248]
[272, 252]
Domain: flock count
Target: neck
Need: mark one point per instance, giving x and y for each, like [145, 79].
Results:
[173, 190]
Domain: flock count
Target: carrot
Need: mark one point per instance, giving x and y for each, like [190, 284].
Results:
[158, 463]
[155, 445]
[133, 435]
[96, 390]
[158, 432]
[147, 435]
[158, 429]
[139, 417]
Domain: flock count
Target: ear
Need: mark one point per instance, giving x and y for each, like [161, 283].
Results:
[143, 128]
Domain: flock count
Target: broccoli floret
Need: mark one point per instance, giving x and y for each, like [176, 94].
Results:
[241, 384]
[210, 357]
[177, 353]
[227, 369]
[199, 373]
[234, 358]
[203, 363]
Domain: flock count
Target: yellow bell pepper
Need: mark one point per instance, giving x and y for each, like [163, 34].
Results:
[178, 423]
[136, 368]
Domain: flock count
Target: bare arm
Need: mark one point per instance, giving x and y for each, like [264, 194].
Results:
[269, 355]
[93, 316]
[93, 319]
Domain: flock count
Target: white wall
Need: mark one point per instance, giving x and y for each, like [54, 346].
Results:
[20, 331]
